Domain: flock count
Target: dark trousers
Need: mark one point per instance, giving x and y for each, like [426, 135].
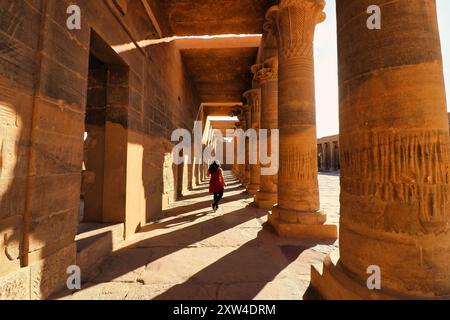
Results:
[217, 197]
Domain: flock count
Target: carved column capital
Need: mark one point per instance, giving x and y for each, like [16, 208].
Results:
[269, 38]
[270, 23]
[253, 98]
[296, 22]
[316, 5]
[255, 69]
[269, 71]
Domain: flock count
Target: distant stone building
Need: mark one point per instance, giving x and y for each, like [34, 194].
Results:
[328, 153]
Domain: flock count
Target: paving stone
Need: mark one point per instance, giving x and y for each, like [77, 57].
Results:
[194, 253]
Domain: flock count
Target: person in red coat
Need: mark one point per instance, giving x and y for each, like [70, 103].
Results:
[216, 183]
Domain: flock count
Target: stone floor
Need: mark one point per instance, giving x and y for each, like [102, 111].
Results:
[195, 253]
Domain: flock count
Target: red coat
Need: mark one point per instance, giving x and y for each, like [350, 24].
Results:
[216, 183]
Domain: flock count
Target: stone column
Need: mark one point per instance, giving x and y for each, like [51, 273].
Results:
[395, 156]
[333, 156]
[329, 156]
[248, 122]
[235, 164]
[202, 167]
[241, 125]
[253, 98]
[297, 213]
[266, 197]
[336, 155]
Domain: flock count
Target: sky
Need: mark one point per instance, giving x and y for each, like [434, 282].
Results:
[327, 101]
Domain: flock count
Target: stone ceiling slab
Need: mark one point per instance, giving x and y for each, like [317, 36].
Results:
[214, 17]
[220, 75]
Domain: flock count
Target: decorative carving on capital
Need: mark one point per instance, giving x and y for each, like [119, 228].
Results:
[255, 69]
[267, 74]
[270, 23]
[269, 70]
[253, 98]
[269, 38]
[271, 63]
[296, 23]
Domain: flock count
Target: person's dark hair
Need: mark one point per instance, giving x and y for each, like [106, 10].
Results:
[214, 167]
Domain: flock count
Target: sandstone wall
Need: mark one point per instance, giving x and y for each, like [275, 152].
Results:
[43, 91]
[170, 103]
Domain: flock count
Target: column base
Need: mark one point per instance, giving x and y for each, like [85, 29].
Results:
[252, 188]
[302, 225]
[265, 200]
[332, 282]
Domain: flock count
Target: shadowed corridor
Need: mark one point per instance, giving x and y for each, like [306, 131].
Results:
[194, 253]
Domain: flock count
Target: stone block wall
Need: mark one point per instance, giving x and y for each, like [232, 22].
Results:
[171, 102]
[43, 93]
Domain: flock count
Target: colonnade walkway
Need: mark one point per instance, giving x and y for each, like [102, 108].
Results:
[194, 253]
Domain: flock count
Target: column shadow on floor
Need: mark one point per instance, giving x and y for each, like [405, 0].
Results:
[177, 240]
[204, 185]
[206, 205]
[241, 274]
[230, 187]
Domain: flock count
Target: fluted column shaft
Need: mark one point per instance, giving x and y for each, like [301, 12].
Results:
[253, 97]
[266, 196]
[235, 164]
[248, 124]
[241, 166]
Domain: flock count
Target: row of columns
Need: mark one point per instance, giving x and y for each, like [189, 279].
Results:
[283, 98]
[394, 148]
[328, 155]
